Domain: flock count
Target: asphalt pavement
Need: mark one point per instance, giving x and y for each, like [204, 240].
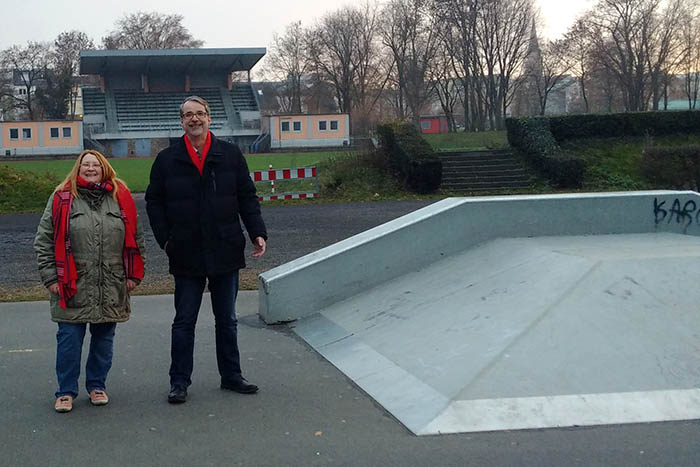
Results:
[307, 413]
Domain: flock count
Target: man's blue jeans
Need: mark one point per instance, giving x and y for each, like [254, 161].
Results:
[69, 346]
[188, 298]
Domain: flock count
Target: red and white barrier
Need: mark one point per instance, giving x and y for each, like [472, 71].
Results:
[285, 174]
[287, 196]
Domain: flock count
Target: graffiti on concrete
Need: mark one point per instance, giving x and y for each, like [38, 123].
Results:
[681, 213]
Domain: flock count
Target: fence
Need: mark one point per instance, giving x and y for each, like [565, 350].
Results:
[272, 175]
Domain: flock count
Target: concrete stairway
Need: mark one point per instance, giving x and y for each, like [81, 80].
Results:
[483, 172]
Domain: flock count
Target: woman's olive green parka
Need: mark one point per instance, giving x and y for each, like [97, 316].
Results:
[97, 241]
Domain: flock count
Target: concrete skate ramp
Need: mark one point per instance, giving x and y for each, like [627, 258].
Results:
[525, 312]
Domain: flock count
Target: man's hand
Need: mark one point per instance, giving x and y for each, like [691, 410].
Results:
[130, 285]
[259, 247]
[53, 288]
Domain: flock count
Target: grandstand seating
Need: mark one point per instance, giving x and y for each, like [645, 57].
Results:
[243, 98]
[156, 111]
[140, 111]
[93, 101]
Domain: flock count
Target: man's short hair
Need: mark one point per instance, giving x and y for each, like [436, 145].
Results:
[196, 99]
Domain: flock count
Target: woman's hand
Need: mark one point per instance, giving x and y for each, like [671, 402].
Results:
[130, 285]
[53, 288]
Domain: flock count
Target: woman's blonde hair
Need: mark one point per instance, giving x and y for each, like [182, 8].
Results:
[108, 174]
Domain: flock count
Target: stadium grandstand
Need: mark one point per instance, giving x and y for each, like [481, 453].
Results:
[135, 110]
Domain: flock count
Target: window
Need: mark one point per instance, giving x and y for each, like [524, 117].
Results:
[26, 133]
[14, 133]
[334, 125]
[54, 132]
[67, 132]
[322, 125]
[425, 124]
[297, 126]
[285, 126]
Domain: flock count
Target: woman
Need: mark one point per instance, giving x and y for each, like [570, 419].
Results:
[89, 249]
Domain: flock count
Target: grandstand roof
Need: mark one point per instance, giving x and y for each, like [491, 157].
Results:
[172, 60]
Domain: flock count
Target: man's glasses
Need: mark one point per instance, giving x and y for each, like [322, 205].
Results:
[189, 115]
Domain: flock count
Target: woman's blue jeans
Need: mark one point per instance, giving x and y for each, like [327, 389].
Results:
[188, 298]
[69, 346]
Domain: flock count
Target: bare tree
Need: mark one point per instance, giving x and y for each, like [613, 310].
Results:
[636, 41]
[394, 32]
[396, 96]
[605, 93]
[446, 87]
[330, 47]
[153, 30]
[458, 33]
[6, 93]
[287, 63]
[503, 31]
[580, 46]
[370, 74]
[663, 49]
[28, 65]
[617, 29]
[66, 62]
[320, 97]
[689, 63]
[343, 53]
[410, 33]
[488, 41]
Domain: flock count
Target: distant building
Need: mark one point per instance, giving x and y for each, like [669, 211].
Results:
[678, 104]
[308, 130]
[433, 124]
[41, 138]
[527, 101]
[15, 85]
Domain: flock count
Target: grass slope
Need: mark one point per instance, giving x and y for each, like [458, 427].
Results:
[613, 164]
[24, 191]
[467, 141]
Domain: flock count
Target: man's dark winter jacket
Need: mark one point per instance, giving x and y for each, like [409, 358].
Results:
[196, 217]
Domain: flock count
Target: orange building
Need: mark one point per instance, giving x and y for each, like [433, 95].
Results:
[41, 138]
[308, 130]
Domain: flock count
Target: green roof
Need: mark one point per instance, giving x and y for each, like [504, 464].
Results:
[677, 104]
[94, 62]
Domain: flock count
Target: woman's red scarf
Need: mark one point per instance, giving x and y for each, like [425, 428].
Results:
[65, 263]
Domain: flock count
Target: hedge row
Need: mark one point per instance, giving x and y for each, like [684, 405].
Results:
[567, 127]
[676, 167]
[410, 157]
[532, 138]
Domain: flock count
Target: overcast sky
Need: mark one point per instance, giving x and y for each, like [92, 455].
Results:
[218, 23]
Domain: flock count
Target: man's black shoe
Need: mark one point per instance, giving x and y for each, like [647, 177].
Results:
[241, 385]
[177, 395]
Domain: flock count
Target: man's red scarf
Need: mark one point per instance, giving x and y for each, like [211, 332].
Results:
[65, 263]
[198, 159]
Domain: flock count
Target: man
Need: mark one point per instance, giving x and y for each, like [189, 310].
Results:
[199, 188]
